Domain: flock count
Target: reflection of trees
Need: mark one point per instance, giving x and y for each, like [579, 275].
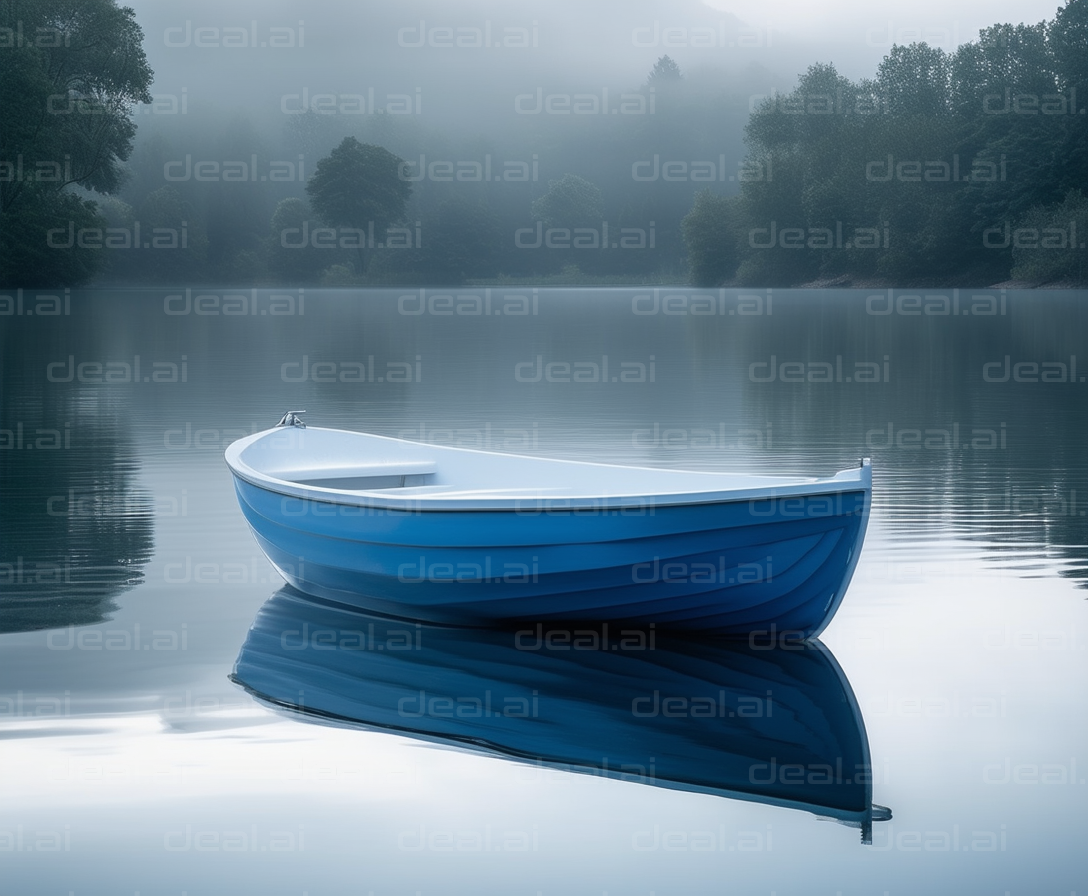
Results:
[1028, 496]
[74, 530]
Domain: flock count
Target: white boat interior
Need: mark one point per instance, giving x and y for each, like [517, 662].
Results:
[378, 471]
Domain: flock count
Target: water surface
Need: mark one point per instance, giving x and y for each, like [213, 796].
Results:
[129, 583]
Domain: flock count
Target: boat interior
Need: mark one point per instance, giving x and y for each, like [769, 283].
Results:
[351, 462]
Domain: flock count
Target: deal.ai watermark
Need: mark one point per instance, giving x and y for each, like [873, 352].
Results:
[307, 237]
[471, 170]
[251, 35]
[703, 303]
[117, 238]
[368, 103]
[118, 372]
[586, 371]
[751, 170]
[582, 238]
[585, 104]
[935, 171]
[476, 36]
[774, 370]
[822, 238]
[352, 371]
[32, 303]
[1032, 371]
[234, 171]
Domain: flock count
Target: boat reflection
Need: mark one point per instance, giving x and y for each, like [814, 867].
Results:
[766, 724]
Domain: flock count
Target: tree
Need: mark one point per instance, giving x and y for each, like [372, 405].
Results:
[915, 80]
[170, 246]
[1059, 254]
[907, 177]
[72, 71]
[1067, 38]
[310, 134]
[664, 71]
[183, 239]
[710, 235]
[292, 261]
[571, 201]
[38, 245]
[358, 186]
[460, 242]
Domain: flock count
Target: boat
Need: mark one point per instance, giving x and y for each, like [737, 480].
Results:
[466, 537]
[775, 726]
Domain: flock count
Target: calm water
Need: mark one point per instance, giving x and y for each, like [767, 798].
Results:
[129, 584]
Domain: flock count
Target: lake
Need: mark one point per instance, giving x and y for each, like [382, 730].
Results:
[129, 585]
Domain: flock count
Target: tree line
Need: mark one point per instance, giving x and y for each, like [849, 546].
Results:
[945, 167]
[966, 167]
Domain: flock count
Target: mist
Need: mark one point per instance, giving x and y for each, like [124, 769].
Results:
[597, 447]
[628, 111]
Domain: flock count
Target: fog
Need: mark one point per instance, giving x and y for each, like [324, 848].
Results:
[465, 63]
[585, 44]
[840, 245]
[632, 108]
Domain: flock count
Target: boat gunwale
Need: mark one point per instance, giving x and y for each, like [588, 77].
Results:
[849, 480]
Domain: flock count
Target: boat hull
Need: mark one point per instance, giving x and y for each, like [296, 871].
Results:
[777, 566]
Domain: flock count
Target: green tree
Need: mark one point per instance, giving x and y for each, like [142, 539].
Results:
[665, 70]
[915, 80]
[1067, 40]
[310, 134]
[289, 260]
[1052, 243]
[71, 72]
[460, 242]
[710, 235]
[358, 186]
[38, 246]
[571, 201]
[182, 242]
[931, 155]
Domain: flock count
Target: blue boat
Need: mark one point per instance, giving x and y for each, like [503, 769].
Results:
[478, 538]
[768, 725]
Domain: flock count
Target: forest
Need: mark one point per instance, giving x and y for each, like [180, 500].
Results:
[953, 167]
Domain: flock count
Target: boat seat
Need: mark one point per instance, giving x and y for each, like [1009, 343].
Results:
[364, 477]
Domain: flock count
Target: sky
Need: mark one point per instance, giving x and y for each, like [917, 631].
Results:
[570, 37]
[865, 24]
[462, 65]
